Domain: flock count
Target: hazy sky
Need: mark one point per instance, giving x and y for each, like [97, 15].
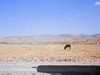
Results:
[32, 17]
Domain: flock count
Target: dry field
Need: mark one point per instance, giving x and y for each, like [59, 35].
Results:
[49, 52]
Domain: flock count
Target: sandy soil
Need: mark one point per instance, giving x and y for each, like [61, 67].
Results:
[49, 53]
[19, 59]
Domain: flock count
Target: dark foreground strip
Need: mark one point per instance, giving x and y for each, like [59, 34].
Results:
[69, 70]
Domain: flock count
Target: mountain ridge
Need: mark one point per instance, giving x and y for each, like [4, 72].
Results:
[52, 39]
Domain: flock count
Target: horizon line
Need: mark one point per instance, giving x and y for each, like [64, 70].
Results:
[48, 34]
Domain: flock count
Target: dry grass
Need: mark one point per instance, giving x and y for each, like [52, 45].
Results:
[53, 52]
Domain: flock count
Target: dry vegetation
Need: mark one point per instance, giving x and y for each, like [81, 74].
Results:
[50, 48]
[49, 52]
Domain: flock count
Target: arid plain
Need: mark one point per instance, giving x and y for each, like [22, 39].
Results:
[49, 53]
[48, 48]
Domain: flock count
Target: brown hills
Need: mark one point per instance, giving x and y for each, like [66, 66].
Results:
[52, 39]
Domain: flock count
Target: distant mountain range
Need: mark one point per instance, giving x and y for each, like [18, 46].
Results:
[52, 39]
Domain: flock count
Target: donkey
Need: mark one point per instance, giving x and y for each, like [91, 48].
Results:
[67, 46]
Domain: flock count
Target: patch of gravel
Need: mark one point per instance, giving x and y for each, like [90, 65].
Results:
[25, 66]
[21, 73]
[52, 59]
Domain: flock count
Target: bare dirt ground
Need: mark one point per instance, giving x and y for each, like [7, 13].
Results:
[19, 59]
[50, 52]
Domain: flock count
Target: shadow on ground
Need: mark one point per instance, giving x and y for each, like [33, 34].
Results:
[69, 70]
